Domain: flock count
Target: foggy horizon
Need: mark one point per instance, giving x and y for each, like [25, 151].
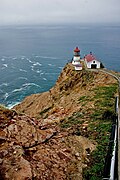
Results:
[38, 12]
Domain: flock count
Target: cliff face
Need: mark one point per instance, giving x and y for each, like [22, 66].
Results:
[30, 150]
[53, 135]
[63, 99]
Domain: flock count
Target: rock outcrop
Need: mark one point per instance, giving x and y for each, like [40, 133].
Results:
[29, 150]
[62, 100]
[48, 136]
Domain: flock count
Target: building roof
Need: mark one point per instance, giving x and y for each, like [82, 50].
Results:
[90, 57]
[78, 65]
[76, 49]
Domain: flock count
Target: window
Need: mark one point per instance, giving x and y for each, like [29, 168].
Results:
[93, 61]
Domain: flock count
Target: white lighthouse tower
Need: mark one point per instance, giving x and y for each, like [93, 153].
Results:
[76, 57]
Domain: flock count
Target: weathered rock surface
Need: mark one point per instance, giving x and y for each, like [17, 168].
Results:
[29, 150]
[33, 142]
[62, 100]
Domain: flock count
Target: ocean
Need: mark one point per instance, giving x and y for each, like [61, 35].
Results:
[32, 57]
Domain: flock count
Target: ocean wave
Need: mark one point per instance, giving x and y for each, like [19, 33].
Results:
[60, 67]
[5, 96]
[24, 78]
[44, 79]
[30, 84]
[11, 105]
[51, 73]
[38, 71]
[5, 65]
[24, 87]
[48, 57]
[42, 73]
[35, 69]
[37, 63]
[32, 62]
[23, 70]
[3, 84]
[51, 64]
[37, 56]
[17, 90]
[14, 58]
[2, 59]
[22, 57]
[32, 68]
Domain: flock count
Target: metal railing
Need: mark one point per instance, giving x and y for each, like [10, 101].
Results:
[111, 162]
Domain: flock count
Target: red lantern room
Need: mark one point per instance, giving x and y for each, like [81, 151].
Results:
[76, 54]
[76, 51]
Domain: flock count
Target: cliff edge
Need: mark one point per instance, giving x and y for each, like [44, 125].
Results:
[60, 134]
[63, 98]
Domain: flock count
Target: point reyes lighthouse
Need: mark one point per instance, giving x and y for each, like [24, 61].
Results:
[76, 59]
[89, 60]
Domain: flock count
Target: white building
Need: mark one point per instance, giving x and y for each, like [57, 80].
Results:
[78, 67]
[76, 57]
[92, 62]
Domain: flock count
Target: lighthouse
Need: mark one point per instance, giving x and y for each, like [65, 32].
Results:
[76, 57]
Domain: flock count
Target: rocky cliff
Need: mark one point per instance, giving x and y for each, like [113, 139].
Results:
[63, 99]
[56, 134]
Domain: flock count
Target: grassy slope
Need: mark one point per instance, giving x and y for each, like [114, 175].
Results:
[96, 125]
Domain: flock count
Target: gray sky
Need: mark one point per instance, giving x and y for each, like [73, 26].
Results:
[58, 11]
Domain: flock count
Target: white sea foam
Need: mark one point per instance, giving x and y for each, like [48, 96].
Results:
[42, 73]
[3, 84]
[23, 70]
[23, 88]
[2, 59]
[30, 84]
[37, 63]
[5, 65]
[44, 79]
[35, 70]
[51, 64]
[14, 58]
[6, 96]
[60, 67]
[24, 78]
[32, 68]
[10, 106]
[23, 57]
[48, 57]
[38, 71]
[30, 61]
[17, 90]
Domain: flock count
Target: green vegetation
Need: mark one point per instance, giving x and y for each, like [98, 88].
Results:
[73, 120]
[84, 98]
[99, 124]
[105, 96]
[100, 130]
